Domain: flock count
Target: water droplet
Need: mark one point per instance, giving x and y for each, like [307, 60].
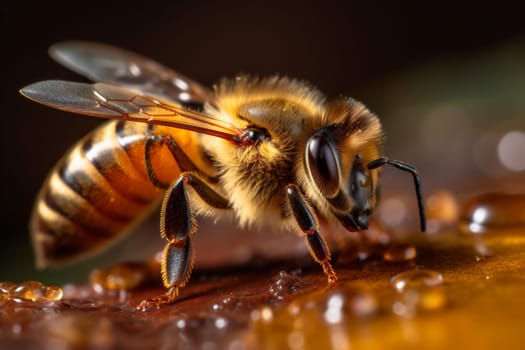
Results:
[493, 211]
[416, 279]
[400, 252]
[283, 285]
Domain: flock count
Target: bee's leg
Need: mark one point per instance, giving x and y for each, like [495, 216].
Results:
[176, 221]
[177, 225]
[306, 221]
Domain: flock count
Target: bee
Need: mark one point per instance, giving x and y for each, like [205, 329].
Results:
[267, 150]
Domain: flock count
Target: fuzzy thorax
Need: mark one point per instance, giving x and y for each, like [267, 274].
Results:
[253, 177]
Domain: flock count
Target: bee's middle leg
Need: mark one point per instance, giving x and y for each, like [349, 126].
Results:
[176, 226]
[176, 221]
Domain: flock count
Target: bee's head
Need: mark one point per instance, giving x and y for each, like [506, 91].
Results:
[341, 161]
[335, 159]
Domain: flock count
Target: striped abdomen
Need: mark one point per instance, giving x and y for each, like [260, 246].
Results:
[100, 188]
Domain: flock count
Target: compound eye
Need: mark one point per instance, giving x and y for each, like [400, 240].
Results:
[323, 164]
[360, 187]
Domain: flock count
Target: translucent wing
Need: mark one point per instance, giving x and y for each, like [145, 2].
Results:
[108, 64]
[116, 102]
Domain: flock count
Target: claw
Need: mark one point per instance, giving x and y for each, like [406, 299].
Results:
[156, 302]
[329, 272]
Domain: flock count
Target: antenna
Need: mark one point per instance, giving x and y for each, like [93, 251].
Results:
[409, 168]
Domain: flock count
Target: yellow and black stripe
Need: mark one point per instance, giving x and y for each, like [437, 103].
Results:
[100, 188]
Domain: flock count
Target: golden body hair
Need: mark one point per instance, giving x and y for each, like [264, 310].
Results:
[291, 111]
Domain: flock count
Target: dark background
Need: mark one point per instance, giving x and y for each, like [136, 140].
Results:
[340, 46]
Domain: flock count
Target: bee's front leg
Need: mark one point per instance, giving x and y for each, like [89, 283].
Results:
[307, 223]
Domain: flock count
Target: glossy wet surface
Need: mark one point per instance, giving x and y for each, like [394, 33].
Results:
[443, 290]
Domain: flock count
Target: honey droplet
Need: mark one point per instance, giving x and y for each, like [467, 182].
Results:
[30, 291]
[123, 276]
[34, 291]
[5, 287]
[5, 290]
[27, 291]
[416, 279]
[493, 211]
[53, 293]
[399, 253]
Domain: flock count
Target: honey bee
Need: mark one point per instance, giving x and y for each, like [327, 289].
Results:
[267, 150]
